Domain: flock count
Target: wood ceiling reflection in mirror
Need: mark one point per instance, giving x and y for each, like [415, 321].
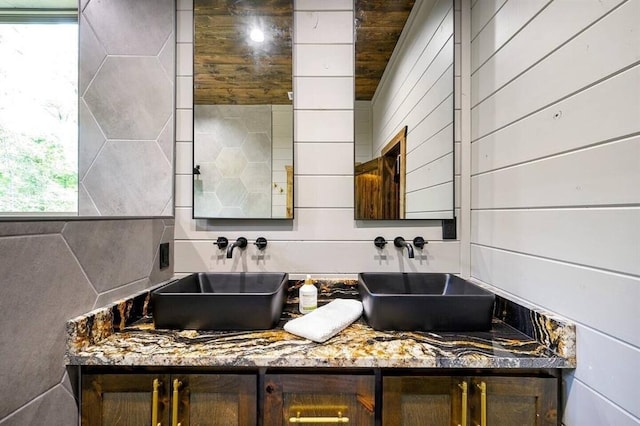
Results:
[378, 27]
[232, 69]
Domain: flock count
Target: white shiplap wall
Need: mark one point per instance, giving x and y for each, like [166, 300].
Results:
[323, 239]
[555, 181]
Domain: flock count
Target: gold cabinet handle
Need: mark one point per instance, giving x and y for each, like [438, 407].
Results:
[154, 403]
[338, 419]
[176, 399]
[463, 408]
[483, 403]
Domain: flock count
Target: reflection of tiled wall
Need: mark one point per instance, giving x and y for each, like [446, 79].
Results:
[54, 271]
[233, 149]
[126, 111]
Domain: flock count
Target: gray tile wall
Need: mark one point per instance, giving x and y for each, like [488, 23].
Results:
[126, 118]
[54, 271]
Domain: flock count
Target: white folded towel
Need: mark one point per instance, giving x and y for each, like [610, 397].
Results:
[326, 321]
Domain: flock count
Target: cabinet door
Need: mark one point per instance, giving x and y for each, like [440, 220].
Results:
[124, 399]
[514, 401]
[319, 399]
[424, 401]
[214, 399]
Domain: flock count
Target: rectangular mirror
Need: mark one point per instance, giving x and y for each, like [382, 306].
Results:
[404, 118]
[243, 109]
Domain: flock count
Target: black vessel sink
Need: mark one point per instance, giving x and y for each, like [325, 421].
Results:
[221, 301]
[424, 301]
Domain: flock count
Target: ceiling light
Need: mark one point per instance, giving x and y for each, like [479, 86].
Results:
[257, 35]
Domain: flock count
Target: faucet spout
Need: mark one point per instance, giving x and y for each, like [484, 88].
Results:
[400, 243]
[241, 242]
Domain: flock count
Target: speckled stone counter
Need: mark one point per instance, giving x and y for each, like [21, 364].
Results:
[122, 334]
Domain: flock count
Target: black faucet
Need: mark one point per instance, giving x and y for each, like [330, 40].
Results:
[241, 242]
[400, 242]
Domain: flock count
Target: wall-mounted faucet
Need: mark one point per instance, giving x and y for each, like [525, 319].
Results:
[241, 243]
[400, 242]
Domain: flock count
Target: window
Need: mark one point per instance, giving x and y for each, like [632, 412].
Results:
[38, 113]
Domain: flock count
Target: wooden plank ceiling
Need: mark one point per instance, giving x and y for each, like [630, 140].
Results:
[229, 68]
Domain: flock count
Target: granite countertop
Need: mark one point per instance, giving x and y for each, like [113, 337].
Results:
[122, 334]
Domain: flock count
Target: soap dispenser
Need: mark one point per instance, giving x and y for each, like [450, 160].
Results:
[308, 296]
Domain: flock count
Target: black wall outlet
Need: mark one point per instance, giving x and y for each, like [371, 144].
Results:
[449, 229]
[164, 255]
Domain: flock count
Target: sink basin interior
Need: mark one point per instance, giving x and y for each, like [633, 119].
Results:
[221, 301]
[424, 301]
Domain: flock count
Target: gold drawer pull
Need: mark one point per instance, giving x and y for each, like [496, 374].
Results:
[339, 419]
[483, 403]
[154, 403]
[176, 399]
[463, 410]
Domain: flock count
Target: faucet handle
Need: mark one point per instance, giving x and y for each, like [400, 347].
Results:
[419, 242]
[380, 242]
[221, 242]
[399, 242]
[241, 242]
[261, 243]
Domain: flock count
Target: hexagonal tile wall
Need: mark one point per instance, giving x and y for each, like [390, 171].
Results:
[122, 164]
[127, 83]
[143, 26]
[129, 98]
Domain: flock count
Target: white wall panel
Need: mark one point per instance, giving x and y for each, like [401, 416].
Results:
[554, 26]
[324, 158]
[332, 257]
[184, 125]
[184, 191]
[323, 5]
[433, 147]
[324, 191]
[482, 14]
[602, 300]
[511, 17]
[436, 172]
[608, 174]
[184, 158]
[335, 224]
[437, 198]
[323, 126]
[585, 407]
[606, 111]
[324, 60]
[617, 380]
[605, 48]
[606, 238]
[323, 27]
[324, 92]
[435, 81]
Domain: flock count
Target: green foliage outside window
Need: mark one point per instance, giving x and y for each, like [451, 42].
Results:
[38, 118]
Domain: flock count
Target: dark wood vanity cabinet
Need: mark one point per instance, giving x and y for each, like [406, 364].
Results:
[168, 399]
[319, 398]
[469, 401]
[387, 397]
